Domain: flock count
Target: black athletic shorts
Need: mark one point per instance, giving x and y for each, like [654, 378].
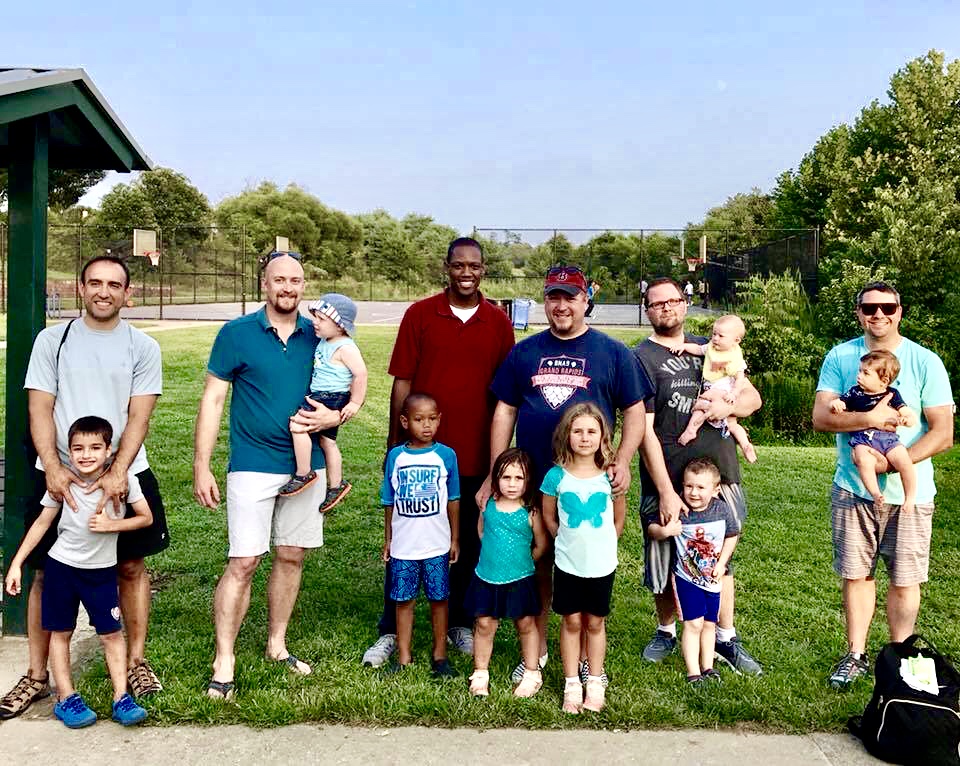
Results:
[137, 544]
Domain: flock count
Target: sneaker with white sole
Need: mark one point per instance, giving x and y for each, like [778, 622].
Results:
[517, 675]
[736, 657]
[74, 712]
[461, 639]
[848, 670]
[661, 646]
[381, 651]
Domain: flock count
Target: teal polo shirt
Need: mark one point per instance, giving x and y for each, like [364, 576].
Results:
[270, 379]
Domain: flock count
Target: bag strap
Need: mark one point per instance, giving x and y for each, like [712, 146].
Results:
[63, 339]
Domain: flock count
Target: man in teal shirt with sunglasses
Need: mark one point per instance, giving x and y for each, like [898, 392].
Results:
[861, 534]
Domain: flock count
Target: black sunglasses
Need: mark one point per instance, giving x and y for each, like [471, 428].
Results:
[888, 309]
[569, 270]
[281, 253]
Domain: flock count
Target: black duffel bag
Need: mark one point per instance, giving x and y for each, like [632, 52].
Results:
[903, 725]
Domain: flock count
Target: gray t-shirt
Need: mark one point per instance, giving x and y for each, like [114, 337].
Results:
[76, 545]
[97, 373]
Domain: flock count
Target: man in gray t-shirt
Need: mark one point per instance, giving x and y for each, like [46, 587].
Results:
[95, 365]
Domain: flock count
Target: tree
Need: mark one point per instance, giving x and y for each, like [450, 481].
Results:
[66, 186]
[328, 239]
[161, 198]
[388, 252]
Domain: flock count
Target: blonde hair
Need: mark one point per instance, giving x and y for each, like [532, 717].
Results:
[562, 453]
[735, 322]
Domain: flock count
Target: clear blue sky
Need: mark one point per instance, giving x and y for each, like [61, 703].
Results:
[606, 114]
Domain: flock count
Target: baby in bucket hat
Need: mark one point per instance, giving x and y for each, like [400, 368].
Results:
[339, 382]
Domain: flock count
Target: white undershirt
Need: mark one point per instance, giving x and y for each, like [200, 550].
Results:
[463, 314]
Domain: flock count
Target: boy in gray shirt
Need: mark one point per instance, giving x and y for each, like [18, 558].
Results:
[81, 567]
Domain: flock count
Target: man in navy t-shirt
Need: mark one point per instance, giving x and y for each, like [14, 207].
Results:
[546, 373]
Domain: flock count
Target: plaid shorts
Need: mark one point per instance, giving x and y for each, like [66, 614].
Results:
[862, 535]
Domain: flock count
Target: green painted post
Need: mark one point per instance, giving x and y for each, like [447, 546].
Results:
[27, 271]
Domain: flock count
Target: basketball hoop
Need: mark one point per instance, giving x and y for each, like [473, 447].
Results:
[154, 256]
[692, 264]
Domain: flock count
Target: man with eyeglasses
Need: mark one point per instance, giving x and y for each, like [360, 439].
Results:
[449, 347]
[676, 384]
[267, 357]
[861, 534]
[566, 364]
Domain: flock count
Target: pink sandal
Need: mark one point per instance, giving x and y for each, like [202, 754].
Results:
[573, 697]
[530, 684]
[480, 683]
[596, 695]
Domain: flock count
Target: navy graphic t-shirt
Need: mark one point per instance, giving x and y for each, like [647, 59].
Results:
[858, 400]
[543, 375]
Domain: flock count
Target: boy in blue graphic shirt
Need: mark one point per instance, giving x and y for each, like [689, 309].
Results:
[421, 499]
[704, 540]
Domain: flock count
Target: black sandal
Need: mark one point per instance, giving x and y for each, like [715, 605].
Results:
[224, 690]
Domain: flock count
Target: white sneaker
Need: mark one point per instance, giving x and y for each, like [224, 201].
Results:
[381, 650]
[461, 639]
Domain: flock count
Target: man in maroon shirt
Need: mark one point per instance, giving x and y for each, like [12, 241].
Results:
[449, 346]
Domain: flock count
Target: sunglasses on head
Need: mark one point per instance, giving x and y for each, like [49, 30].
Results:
[888, 309]
[569, 270]
[280, 253]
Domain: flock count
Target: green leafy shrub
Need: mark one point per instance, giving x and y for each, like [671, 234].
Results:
[786, 412]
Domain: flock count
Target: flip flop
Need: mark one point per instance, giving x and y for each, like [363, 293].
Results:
[222, 690]
[293, 663]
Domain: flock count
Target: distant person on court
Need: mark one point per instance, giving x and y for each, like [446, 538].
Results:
[339, 383]
[704, 540]
[81, 568]
[878, 369]
[688, 292]
[723, 378]
[593, 290]
[421, 498]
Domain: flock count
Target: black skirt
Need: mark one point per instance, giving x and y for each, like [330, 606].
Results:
[510, 600]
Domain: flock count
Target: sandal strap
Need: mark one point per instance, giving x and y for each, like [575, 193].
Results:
[20, 697]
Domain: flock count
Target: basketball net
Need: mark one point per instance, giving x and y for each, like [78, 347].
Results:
[692, 264]
[154, 256]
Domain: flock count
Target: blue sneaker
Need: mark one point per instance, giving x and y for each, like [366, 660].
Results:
[127, 712]
[74, 712]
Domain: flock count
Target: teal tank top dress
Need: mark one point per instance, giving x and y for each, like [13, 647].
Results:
[505, 555]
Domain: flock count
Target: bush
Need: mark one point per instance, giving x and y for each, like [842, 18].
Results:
[786, 412]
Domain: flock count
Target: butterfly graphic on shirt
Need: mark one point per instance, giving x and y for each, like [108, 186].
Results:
[579, 511]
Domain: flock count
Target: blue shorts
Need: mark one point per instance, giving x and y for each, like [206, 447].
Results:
[407, 575]
[66, 587]
[332, 400]
[694, 602]
[881, 441]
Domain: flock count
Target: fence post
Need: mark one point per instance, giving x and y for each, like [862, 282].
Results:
[162, 258]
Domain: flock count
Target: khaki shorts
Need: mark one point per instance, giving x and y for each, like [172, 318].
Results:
[255, 513]
[862, 536]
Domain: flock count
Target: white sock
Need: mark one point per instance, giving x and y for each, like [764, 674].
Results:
[671, 629]
[598, 679]
[726, 634]
[575, 681]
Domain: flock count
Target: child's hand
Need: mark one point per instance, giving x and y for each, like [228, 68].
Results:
[101, 522]
[837, 406]
[674, 527]
[13, 580]
[454, 552]
[349, 410]
[718, 571]
[385, 553]
[908, 417]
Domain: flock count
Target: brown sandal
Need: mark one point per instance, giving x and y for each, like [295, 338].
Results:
[27, 691]
[143, 681]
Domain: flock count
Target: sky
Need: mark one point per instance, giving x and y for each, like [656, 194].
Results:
[497, 114]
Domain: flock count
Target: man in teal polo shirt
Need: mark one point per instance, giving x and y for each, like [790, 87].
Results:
[268, 357]
[861, 533]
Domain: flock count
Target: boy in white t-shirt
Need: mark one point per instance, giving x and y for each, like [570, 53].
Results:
[81, 568]
[421, 498]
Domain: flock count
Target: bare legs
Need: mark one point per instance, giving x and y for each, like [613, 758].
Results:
[859, 603]
[232, 599]
[134, 585]
[697, 641]
[114, 652]
[302, 449]
[331, 454]
[438, 620]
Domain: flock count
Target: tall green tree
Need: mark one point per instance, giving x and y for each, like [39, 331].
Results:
[66, 186]
[329, 239]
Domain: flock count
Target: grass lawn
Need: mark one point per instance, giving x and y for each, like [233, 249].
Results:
[788, 600]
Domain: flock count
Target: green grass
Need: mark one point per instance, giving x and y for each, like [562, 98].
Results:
[788, 600]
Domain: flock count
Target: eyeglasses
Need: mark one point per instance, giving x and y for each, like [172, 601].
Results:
[281, 253]
[672, 303]
[888, 309]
